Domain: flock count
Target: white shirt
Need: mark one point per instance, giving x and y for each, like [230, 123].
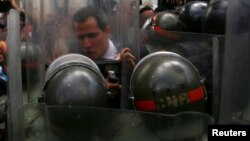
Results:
[111, 52]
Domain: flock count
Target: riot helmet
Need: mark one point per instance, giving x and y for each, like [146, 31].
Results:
[214, 20]
[157, 31]
[166, 21]
[192, 13]
[74, 80]
[166, 82]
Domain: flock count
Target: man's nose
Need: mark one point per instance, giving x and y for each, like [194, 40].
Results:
[86, 43]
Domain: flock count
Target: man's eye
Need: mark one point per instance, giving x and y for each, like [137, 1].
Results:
[89, 35]
[92, 35]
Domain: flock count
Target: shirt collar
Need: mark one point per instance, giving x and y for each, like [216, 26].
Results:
[111, 52]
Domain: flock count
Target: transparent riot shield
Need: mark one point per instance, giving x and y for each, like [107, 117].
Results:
[204, 51]
[14, 74]
[218, 60]
[51, 33]
[234, 106]
[55, 123]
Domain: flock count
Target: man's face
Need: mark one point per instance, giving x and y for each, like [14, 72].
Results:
[94, 41]
[145, 15]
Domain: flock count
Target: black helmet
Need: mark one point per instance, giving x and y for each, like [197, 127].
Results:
[168, 83]
[214, 20]
[74, 80]
[192, 13]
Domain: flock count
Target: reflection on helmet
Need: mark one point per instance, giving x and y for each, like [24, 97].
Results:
[157, 31]
[166, 21]
[74, 80]
[168, 83]
[30, 58]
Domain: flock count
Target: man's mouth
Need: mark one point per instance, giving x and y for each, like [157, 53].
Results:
[89, 52]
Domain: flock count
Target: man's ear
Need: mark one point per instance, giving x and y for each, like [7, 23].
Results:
[107, 30]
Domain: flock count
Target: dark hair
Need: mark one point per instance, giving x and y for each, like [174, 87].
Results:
[146, 8]
[84, 13]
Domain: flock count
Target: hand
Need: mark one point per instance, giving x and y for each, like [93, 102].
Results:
[127, 57]
[3, 51]
[113, 85]
[113, 89]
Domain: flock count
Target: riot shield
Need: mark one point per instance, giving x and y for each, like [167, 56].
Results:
[14, 73]
[50, 33]
[57, 123]
[197, 48]
[234, 104]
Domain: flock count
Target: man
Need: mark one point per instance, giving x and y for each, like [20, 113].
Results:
[93, 33]
[145, 13]
[91, 28]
